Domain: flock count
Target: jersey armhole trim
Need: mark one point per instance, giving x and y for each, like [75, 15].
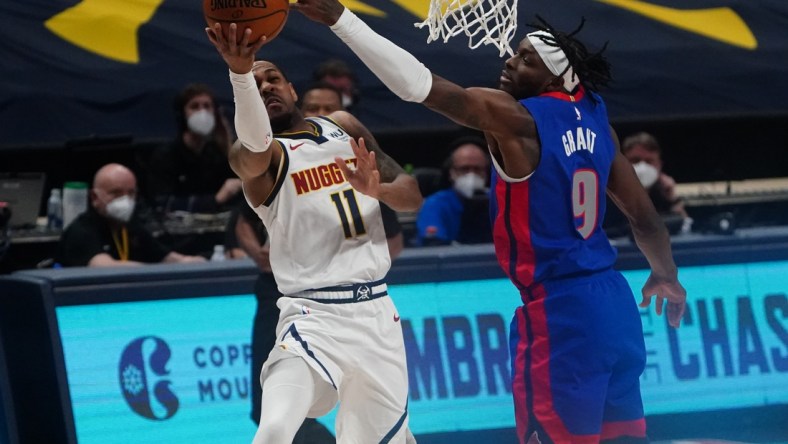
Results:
[505, 177]
[280, 175]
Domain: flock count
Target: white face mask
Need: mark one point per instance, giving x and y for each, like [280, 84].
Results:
[468, 184]
[647, 174]
[347, 100]
[121, 209]
[202, 122]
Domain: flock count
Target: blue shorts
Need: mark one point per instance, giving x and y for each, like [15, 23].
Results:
[577, 353]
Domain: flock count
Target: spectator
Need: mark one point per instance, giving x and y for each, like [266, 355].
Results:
[321, 99]
[336, 72]
[108, 234]
[192, 173]
[459, 214]
[645, 154]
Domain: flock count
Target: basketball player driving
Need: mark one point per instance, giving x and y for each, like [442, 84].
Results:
[577, 344]
[317, 191]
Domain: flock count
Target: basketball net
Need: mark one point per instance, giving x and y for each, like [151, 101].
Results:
[485, 22]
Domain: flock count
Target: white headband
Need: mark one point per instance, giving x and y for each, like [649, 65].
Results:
[554, 58]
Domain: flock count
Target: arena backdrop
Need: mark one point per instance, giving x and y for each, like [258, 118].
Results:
[73, 69]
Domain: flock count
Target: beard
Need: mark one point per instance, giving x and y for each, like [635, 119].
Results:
[281, 123]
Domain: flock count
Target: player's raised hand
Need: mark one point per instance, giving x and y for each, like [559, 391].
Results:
[239, 56]
[365, 177]
[669, 289]
[326, 12]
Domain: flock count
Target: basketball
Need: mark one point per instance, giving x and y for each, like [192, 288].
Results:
[263, 17]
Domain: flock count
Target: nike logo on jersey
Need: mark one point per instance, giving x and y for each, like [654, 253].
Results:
[295, 147]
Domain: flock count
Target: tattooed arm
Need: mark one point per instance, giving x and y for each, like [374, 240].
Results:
[384, 179]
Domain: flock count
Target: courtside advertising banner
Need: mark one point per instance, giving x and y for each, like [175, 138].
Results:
[178, 370]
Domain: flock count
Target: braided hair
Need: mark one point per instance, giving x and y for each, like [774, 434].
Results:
[592, 70]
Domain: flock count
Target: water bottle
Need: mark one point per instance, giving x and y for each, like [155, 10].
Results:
[55, 210]
[218, 253]
[75, 201]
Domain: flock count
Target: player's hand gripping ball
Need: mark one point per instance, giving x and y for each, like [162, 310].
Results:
[263, 17]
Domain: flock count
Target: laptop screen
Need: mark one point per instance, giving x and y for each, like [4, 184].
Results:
[23, 193]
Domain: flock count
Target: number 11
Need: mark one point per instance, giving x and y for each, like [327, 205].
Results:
[358, 223]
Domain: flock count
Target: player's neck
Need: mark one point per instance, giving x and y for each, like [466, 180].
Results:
[296, 126]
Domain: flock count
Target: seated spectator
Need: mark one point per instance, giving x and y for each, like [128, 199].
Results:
[645, 154]
[192, 172]
[321, 99]
[108, 234]
[459, 214]
[337, 73]
[643, 150]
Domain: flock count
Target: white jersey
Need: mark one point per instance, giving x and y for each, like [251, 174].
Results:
[323, 232]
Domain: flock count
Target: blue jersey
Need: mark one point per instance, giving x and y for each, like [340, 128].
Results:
[549, 226]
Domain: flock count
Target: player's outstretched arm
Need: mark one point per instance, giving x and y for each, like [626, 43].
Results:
[651, 237]
[250, 157]
[396, 68]
[479, 108]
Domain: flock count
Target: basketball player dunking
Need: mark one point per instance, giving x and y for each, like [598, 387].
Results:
[577, 345]
[317, 191]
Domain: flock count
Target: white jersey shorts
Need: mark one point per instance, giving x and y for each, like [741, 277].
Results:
[351, 336]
